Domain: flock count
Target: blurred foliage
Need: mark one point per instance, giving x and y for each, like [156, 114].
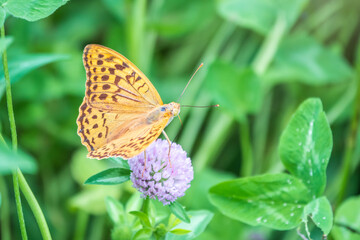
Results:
[262, 59]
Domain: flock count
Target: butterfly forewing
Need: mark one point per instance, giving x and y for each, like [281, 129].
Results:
[118, 98]
[114, 82]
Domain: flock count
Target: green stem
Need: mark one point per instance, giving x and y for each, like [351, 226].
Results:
[4, 211]
[351, 139]
[146, 205]
[8, 96]
[135, 31]
[18, 178]
[270, 46]
[81, 223]
[246, 149]
[19, 206]
[13, 137]
[34, 205]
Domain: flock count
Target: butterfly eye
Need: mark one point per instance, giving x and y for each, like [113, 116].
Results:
[162, 109]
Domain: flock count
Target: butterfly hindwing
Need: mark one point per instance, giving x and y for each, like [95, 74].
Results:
[130, 139]
[95, 125]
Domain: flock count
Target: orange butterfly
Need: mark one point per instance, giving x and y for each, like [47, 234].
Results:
[122, 113]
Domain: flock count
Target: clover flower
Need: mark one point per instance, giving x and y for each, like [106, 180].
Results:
[158, 179]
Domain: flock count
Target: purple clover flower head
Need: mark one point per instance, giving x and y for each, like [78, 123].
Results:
[158, 179]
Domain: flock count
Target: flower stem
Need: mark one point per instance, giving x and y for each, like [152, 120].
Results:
[34, 205]
[13, 138]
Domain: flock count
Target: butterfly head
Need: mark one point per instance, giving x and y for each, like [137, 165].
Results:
[172, 109]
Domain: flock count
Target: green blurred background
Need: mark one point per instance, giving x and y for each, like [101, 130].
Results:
[261, 60]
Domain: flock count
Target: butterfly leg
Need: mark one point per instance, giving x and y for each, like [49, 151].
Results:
[167, 138]
[142, 174]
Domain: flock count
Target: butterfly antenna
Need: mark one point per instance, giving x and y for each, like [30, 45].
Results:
[189, 81]
[216, 105]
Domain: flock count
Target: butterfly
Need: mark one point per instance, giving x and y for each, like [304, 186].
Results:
[122, 113]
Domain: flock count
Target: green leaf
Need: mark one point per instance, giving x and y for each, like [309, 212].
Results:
[238, 91]
[144, 218]
[347, 220]
[110, 176]
[178, 210]
[199, 221]
[32, 10]
[142, 234]
[301, 58]
[115, 210]
[10, 161]
[2, 16]
[305, 145]
[320, 212]
[260, 15]
[4, 43]
[273, 200]
[179, 231]
[20, 65]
